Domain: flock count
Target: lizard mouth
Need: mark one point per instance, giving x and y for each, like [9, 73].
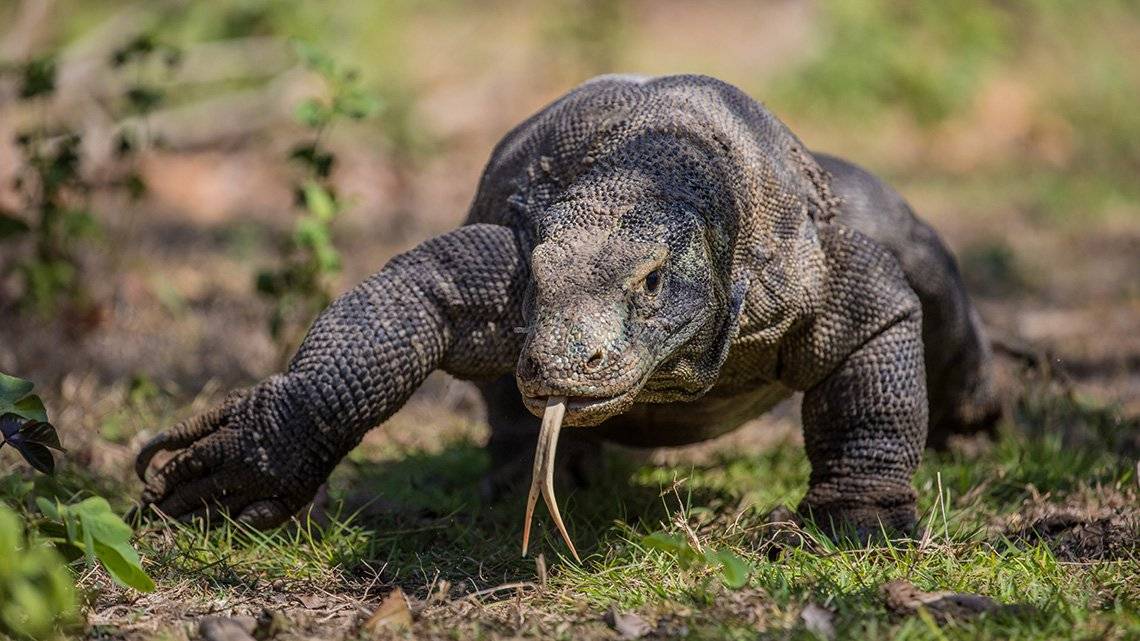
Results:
[579, 409]
[585, 411]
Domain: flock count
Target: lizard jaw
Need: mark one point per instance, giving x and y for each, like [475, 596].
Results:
[584, 411]
[580, 410]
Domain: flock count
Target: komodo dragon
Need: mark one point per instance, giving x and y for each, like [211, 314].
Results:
[660, 260]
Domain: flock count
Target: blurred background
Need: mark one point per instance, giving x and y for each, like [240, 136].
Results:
[183, 184]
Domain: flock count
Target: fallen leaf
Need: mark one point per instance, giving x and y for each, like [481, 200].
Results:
[818, 620]
[393, 612]
[312, 601]
[904, 599]
[627, 624]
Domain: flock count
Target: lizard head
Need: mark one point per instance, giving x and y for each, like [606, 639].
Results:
[627, 303]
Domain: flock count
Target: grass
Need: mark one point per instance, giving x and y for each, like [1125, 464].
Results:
[428, 532]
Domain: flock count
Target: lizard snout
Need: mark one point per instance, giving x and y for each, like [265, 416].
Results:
[599, 377]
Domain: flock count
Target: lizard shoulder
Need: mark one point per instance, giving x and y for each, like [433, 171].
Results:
[864, 292]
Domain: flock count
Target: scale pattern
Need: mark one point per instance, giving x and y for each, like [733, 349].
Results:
[638, 244]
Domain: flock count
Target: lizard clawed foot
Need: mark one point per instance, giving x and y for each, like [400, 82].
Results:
[231, 460]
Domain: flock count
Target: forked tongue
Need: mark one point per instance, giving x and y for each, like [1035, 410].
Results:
[543, 478]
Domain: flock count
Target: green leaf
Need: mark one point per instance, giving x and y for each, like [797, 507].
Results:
[13, 389]
[320, 202]
[15, 489]
[664, 542]
[11, 531]
[144, 99]
[357, 104]
[88, 541]
[16, 398]
[314, 58]
[29, 607]
[734, 570]
[319, 162]
[107, 538]
[96, 515]
[49, 509]
[36, 590]
[122, 563]
[310, 233]
[711, 557]
[31, 407]
[38, 78]
[269, 284]
[672, 544]
[70, 525]
[80, 223]
[312, 113]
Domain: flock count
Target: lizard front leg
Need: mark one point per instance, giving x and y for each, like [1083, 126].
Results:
[451, 303]
[864, 429]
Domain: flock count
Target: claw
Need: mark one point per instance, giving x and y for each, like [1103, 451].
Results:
[147, 452]
[543, 477]
[182, 435]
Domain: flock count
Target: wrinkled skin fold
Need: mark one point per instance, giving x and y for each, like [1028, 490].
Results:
[651, 261]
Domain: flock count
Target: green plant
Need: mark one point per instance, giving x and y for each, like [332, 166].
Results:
[24, 424]
[298, 286]
[36, 593]
[57, 217]
[691, 554]
[55, 195]
[88, 528]
[92, 530]
[141, 97]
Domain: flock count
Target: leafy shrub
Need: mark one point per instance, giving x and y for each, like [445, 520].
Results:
[56, 197]
[58, 218]
[298, 286]
[88, 529]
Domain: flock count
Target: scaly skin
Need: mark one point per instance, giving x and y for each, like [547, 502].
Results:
[669, 257]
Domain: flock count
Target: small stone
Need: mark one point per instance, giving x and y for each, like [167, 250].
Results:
[818, 620]
[627, 624]
[225, 629]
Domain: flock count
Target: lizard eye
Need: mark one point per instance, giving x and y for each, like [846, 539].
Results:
[652, 282]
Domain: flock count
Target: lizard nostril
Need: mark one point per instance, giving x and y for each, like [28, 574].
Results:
[595, 360]
[528, 368]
